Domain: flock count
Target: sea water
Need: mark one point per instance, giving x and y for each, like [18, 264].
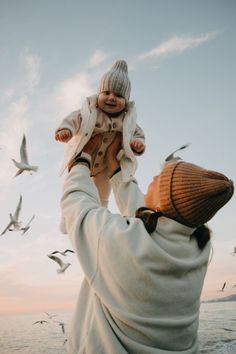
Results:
[19, 334]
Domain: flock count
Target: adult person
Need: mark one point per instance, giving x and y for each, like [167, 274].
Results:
[142, 277]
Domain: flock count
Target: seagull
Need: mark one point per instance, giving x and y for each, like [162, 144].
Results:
[64, 253]
[14, 224]
[63, 265]
[62, 326]
[171, 156]
[223, 287]
[65, 340]
[24, 165]
[41, 322]
[228, 329]
[27, 226]
[234, 252]
[49, 315]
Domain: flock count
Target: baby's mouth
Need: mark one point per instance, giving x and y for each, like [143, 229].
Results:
[111, 104]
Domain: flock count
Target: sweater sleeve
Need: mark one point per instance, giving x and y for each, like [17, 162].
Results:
[139, 134]
[71, 122]
[86, 221]
[128, 196]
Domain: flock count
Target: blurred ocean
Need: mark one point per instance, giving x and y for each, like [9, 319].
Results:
[18, 334]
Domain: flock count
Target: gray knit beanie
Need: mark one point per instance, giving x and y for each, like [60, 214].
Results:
[117, 80]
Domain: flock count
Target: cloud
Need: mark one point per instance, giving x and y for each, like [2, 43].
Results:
[176, 44]
[8, 94]
[97, 58]
[71, 92]
[11, 132]
[31, 63]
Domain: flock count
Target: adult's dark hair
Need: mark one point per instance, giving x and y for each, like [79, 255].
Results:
[150, 218]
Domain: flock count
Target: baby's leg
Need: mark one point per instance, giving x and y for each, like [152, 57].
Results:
[102, 183]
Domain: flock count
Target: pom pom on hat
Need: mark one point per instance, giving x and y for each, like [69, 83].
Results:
[191, 194]
[117, 80]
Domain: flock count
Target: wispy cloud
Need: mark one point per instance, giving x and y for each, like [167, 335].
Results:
[8, 94]
[31, 63]
[71, 92]
[177, 44]
[97, 58]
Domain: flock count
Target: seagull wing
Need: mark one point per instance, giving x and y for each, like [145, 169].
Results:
[19, 172]
[5, 230]
[171, 156]
[32, 218]
[18, 209]
[23, 151]
[54, 252]
[69, 251]
[56, 259]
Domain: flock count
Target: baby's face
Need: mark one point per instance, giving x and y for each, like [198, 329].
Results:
[110, 102]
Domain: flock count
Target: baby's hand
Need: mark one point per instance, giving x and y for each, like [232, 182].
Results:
[137, 146]
[63, 135]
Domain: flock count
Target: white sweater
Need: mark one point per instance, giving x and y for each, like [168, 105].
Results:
[141, 292]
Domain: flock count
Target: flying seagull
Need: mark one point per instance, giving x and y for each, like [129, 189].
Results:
[27, 226]
[40, 322]
[64, 253]
[63, 266]
[171, 156]
[62, 326]
[65, 340]
[234, 251]
[49, 315]
[223, 287]
[24, 165]
[14, 224]
[228, 329]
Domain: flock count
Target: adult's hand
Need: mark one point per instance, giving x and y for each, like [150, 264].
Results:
[111, 156]
[90, 148]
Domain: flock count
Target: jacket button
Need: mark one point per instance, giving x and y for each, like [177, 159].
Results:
[100, 153]
[86, 134]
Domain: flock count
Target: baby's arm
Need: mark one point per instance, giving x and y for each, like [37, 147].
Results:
[137, 146]
[68, 127]
[137, 143]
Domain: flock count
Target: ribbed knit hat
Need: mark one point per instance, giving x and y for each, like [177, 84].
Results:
[191, 194]
[117, 80]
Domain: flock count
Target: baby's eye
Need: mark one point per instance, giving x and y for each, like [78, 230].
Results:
[107, 93]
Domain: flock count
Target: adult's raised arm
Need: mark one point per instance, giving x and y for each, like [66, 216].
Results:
[127, 194]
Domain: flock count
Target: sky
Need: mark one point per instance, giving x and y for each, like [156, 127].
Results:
[181, 57]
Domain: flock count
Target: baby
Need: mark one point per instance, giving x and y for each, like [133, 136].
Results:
[108, 113]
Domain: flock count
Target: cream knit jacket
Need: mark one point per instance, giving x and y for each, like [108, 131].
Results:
[141, 292]
[83, 128]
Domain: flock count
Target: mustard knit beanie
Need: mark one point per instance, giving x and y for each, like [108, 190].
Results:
[191, 194]
[117, 80]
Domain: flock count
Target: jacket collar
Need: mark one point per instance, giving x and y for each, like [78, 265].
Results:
[166, 226]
